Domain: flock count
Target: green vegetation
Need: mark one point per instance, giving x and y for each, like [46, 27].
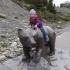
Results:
[44, 8]
[15, 17]
[4, 45]
[42, 4]
[3, 37]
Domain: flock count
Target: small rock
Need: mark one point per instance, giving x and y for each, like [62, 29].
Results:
[67, 67]
[60, 52]
[53, 59]
[10, 50]
[21, 14]
[20, 49]
[21, 67]
[13, 54]
[13, 44]
[52, 64]
[59, 27]
[1, 49]
[33, 49]
[6, 54]
[17, 39]
[24, 8]
[1, 42]
[16, 50]
[24, 13]
[18, 46]
[15, 58]
[3, 15]
[5, 48]
[2, 57]
[18, 53]
[59, 22]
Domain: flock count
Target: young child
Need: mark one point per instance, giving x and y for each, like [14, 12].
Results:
[34, 20]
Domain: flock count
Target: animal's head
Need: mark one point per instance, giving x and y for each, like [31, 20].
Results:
[28, 37]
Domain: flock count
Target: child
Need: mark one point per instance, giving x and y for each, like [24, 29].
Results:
[34, 20]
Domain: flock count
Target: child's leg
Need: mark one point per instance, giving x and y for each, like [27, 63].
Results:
[43, 31]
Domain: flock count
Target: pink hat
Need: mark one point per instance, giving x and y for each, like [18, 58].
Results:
[32, 11]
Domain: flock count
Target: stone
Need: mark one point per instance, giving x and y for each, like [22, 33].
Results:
[3, 15]
[20, 49]
[19, 53]
[10, 49]
[59, 22]
[13, 54]
[1, 42]
[6, 53]
[67, 67]
[13, 44]
[2, 57]
[59, 27]
[53, 59]
[15, 58]
[17, 39]
[21, 67]
[18, 46]
[1, 49]
[21, 14]
[24, 8]
[60, 52]
[52, 64]
[24, 13]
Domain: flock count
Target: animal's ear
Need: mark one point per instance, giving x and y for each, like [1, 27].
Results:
[20, 31]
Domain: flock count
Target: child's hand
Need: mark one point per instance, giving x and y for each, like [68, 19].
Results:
[35, 26]
[29, 26]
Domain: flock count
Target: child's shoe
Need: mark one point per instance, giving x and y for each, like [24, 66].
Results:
[47, 38]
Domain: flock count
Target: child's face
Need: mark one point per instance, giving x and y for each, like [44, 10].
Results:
[32, 15]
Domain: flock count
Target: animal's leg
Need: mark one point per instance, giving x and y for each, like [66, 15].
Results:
[26, 51]
[52, 46]
[39, 49]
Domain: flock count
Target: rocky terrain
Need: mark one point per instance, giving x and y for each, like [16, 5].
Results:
[63, 10]
[13, 17]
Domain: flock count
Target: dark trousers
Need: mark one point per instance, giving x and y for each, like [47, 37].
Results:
[43, 31]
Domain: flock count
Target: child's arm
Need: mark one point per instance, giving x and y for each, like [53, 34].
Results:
[35, 26]
[38, 22]
[30, 25]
